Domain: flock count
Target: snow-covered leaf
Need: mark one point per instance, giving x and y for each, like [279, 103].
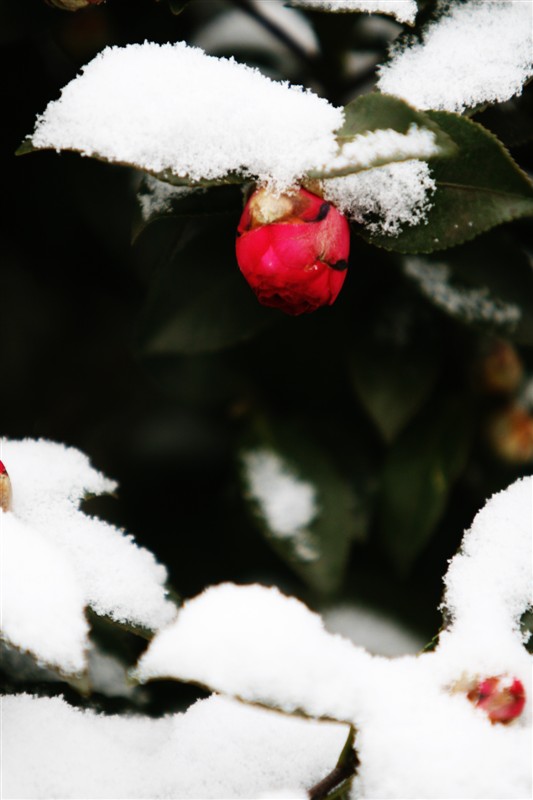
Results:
[403, 10]
[476, 52]
[477, 188]
[487, 283]
[190, 118]
[380, 129]
[385, 199]
[57, 560]
[42, 602]
[259, 645]
[217, 749]
[307, 510]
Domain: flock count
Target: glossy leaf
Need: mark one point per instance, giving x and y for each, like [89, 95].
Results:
[381, 112]
[478, 187]
[200, 303]
[419, 473]
[487, 283]
[392, 382]
[156, 199]
[319, 550]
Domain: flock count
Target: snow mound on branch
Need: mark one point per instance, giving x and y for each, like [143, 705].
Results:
[418, 735]
[56, 559]
[218, 749]
[403, 10]
[477, 52]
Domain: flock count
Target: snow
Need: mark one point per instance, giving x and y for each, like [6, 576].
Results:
[218, 749]
[381, 146]
[287, 503]
[418, 735]
[385, 198]
[42, 603]
[403, 10]
[476, 52]
[371, 629]
[56, 560]
[475, 305]
[172, 107]
[156, 196]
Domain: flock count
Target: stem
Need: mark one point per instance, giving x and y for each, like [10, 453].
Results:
[345, 770]
[273, 28]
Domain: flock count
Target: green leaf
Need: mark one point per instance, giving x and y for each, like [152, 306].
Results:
[419, 472]
[25, 147]
[393, 380]
[478, 187]
[200, 302]
[157, 199]
[487, 283]
[306, 509]
[381, 112]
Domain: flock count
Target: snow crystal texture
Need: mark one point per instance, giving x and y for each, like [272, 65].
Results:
[477, 52]
[218, 749]
[403, 10]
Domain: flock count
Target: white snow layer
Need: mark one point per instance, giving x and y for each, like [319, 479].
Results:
[56, 560]
[386, 198]
[287, 502]
[172, 107]
[403, 10]
[219, 748]
[477, 52]
[417, 735]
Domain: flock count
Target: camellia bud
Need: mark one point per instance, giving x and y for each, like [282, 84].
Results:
[73, 5]
[500, 369]
[5, 489]
[510, 434]
[502, 698]
[293, 250]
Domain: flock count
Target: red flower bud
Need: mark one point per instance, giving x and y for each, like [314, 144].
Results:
[73, 5]
[293, 250]
[5, 489]
[501, 697]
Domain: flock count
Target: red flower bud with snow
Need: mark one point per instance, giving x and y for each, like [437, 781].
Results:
[5, 489]
[293, 250]
[501, 697]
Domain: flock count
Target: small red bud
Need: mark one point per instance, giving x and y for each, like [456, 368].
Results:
[500, 369]
[293, 250]
[501, 697]
[510, 434]
[5, 489]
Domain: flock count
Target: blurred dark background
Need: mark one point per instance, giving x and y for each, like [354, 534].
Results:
[73, 290]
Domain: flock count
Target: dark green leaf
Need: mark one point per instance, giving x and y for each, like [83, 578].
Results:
[477, 188]
[419, 472]
[487, 283]
[200, 302]
[157, 199]
[25, 147]
[392, 381]
[319, 548]
[374, 112]
[177, 6]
